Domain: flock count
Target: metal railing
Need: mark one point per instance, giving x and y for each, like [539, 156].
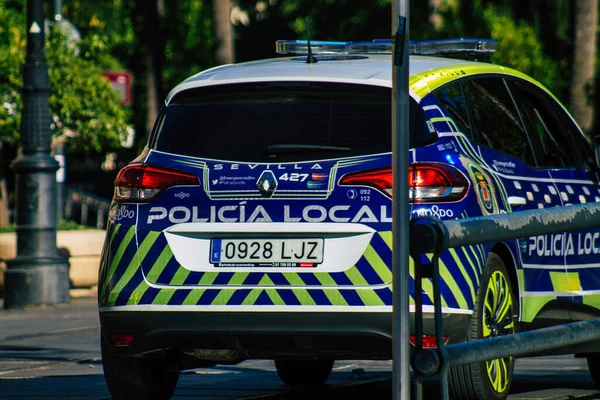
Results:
[83, 207]
[429, 235]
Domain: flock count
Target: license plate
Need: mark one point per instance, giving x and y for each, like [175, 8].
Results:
[266, 252]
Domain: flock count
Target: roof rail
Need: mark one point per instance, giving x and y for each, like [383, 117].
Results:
[468, 48]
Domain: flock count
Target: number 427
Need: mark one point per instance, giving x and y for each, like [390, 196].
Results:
[293, 177]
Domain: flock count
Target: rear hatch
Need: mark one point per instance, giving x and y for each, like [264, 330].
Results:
[293, 188]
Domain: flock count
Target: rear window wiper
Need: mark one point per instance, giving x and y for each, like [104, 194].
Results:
[274, 149]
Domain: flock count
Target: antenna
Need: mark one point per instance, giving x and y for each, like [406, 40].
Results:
[310, 59]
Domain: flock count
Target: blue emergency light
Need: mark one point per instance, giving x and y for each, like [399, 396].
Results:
[443, 47]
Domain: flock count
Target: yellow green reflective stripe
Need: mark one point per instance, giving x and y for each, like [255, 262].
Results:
[428, 81]
[463, 272]
[592, 300]
[117, 259]
[521, 279]
[565, 282]
[448, 121]
[136, 295]
[451, 283]
[478, 258]
[531, 306]
[239, 277]
[155, 271]
[369, 298]
[163, 296]
[275, 297]
[134, 265]
[304, 297]
[326, 279]
[385, 274]
[335, 297]
[473, 266]
[116, 228]
[119, 253]
[193, 297]
[294, 279]
[425, 284]
[180, 276]
[332, 175]
[223, 297]
[356, 278]
[251, 298]
[208, 278]
[159, 265]
[387, 238]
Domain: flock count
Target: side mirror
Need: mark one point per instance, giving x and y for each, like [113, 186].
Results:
[596, 145]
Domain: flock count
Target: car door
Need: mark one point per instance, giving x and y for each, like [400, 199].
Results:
[569, 160]
[504, 147]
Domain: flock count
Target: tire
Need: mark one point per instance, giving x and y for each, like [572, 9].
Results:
[496, 303]
[593, 362]
[304, 372]
[131, 378]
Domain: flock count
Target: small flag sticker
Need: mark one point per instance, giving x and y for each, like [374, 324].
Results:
[35, 28]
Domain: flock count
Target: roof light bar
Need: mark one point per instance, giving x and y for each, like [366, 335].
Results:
[424, 47]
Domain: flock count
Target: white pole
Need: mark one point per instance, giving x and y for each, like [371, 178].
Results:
[400, 226]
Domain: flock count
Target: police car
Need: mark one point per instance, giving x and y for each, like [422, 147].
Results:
[256, 223]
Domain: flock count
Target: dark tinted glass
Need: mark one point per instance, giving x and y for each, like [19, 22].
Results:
[497, 124]
[240, 122]
[549, 138]
[452, 98]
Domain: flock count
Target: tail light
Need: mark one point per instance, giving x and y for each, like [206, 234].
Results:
[139, 183]
[428, 341]
[121, 339]
[427, 182]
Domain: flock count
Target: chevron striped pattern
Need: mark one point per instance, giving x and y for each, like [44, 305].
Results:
[136, 265]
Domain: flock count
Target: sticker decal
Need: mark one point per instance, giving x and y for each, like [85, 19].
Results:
[484, 190]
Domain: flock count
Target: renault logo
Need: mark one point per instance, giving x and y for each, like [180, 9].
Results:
[267, 183]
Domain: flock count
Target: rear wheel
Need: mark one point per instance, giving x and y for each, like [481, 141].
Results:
[593, 361]
[137, 378]
[493, 315]
[304, 372]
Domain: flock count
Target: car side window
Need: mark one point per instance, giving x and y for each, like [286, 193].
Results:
[453, 100]
[496, 122]
[548, 136]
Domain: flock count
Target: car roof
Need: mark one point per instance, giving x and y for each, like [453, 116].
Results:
[426, 73]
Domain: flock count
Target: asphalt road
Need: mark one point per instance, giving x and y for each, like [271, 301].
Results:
[53, 353]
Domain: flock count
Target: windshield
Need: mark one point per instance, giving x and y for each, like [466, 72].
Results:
[277, 122]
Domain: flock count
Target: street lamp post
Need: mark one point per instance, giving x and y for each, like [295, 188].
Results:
[400, 226]
[38, 275]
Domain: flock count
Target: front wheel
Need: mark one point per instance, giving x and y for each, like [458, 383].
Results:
[494, 315]
[304, 372]
[130, 378]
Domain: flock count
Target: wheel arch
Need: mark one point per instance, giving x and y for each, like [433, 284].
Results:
[507, 257]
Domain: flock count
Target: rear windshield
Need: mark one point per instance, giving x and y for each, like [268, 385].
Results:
[277, 122]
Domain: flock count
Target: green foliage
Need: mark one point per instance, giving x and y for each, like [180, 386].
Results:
[519, 48]
[12, 57]
[189, 40]
[518, 44]
[62, 225]
[83, 107]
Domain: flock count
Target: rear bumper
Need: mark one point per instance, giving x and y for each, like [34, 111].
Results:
[338, 335]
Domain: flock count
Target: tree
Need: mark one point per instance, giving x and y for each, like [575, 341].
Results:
[84, 109]
[223, 31]
[435, 18]
[584, 60]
